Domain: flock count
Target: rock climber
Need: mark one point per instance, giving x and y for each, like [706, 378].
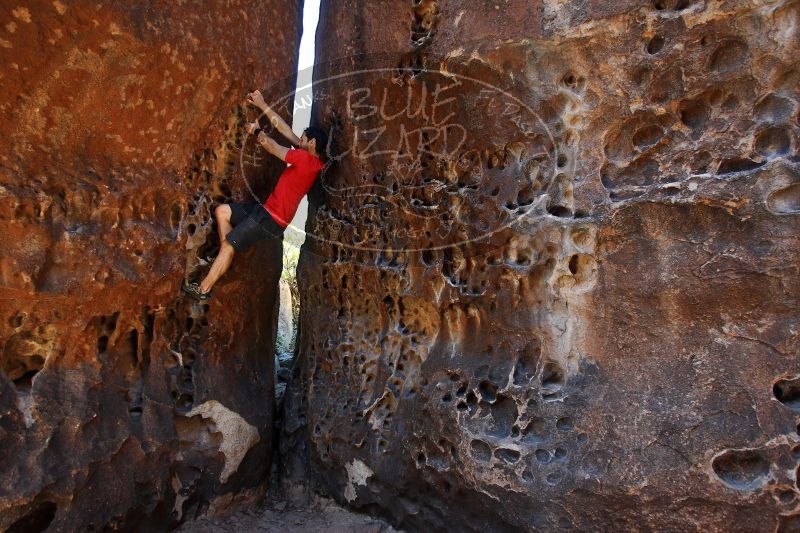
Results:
[240, 225]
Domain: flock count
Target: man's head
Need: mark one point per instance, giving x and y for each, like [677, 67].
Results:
[315, 140]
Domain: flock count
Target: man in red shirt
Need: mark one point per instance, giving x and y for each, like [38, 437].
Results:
[241, 225]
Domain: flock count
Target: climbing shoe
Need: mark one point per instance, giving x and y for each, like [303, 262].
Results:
[193, 289]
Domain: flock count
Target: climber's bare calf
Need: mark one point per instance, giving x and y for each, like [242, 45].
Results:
[225, 257]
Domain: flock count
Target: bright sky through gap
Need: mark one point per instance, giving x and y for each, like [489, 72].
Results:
[302, 112]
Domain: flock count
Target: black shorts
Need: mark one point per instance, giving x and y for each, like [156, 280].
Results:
[251, 223]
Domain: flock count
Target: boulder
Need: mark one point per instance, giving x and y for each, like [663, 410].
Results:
[123, 403]
[551, 277]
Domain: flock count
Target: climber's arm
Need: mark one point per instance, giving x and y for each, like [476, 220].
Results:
[257, 100]
[270, 145]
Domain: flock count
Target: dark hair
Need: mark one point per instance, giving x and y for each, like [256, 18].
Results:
[313, 132]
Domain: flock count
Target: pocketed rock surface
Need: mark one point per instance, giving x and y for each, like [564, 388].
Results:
[123, 404]
[561, 294]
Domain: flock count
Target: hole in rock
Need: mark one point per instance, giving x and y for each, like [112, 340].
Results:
[110, 322]
[176, 216]
[24, 353]
[488, 391]
[184, 403]
[480, 451]
[553, 478]
[135, 411]
[787, 391]
[507, 455]
[583, 267]
[543, 456]
[499, 371]
[786, 496]
[694, 114]
[773, 108]
[573, 264]
[37, 520]
[102, 344]
[472, 399]
[527, 359]
[564, 424]
[16, 320]
[655, 45]
[535, 431]
[741, 469]
[647, 135]
[525, 196]
[773, 142]
[553, 377]
[504, 414]
[737, 164]
[581, 237]
[132, 345]
[24, 383]
[728, 56]
[559, 211]
[24, 387]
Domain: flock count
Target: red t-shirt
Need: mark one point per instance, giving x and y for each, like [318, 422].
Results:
[293, 184]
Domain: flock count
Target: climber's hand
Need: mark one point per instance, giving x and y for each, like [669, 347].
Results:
[263, 139]
[257, 99]
[251, 127]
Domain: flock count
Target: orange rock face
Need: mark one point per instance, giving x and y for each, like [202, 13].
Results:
[553, 275]
[124, 404]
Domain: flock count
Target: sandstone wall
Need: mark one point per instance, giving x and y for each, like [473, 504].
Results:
[123, 404]
[562, 292]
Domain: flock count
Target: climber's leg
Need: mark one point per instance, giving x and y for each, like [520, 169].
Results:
[223, 215]
[228, 216]
[218, 268]
[238, 226]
